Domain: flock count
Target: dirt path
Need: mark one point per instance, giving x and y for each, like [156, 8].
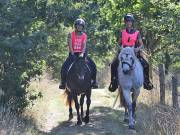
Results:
[52, 114]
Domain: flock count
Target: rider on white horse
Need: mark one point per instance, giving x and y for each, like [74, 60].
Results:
[132, 38]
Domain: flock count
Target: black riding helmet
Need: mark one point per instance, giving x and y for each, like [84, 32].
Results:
[129, 17]
[79, 22]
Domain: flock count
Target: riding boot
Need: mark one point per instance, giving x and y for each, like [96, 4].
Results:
[63, 80]
[92, 66]
[147, 84]
[94, 84]
[64, 69]
[114, 78]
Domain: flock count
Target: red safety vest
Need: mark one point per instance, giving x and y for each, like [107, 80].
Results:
[129, 39]
[78, 41]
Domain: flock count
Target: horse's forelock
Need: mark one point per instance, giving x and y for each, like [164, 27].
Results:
[127, 50]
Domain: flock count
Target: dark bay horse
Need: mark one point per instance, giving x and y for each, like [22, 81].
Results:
[79, 83]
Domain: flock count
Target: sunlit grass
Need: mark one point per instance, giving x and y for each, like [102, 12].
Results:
[12, 123]
[47, 110]
[154, 118]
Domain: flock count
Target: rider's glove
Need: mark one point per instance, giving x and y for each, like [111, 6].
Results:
[81, 55]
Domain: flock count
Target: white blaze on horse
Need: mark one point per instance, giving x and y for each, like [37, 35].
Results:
[130, 78]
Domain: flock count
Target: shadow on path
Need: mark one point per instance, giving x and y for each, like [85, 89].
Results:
[103, 121]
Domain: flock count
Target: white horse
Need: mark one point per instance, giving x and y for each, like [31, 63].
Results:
[130, 78]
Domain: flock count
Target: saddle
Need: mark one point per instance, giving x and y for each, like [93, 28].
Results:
[75, 60]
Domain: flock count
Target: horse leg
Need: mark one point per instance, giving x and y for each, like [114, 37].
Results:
[81, 104]
[126, 119]
[133, 105]
[123, 103]
[88, 102]
[134, 109]
[79, 122]
[70, 107]
[127, 96]
[134, 99]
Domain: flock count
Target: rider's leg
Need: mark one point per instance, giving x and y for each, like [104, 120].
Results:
[114, 78]
[64, 69]
[94, 71]
[147, 84]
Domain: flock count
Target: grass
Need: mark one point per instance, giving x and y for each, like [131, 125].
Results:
[13, 124]
[49, 108]
[155, 118]
[159, 120]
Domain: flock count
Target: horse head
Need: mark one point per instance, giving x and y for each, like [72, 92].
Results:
[127, 58]
[81, 68]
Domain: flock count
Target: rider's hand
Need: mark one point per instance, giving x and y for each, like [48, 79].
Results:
[81, 55]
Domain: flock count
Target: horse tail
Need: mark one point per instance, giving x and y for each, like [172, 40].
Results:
[122, 99]
[69, 99]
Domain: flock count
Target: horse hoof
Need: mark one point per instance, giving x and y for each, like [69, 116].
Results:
[132, 127]
[86, 119]
[126, 120]
[70, 117]
[79, 123]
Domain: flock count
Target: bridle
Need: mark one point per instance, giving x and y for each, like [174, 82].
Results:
[130, 65]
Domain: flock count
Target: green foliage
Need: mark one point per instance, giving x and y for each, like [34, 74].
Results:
[23, 43]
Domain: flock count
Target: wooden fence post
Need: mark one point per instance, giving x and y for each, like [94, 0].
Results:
[174, 91]
[162, 83]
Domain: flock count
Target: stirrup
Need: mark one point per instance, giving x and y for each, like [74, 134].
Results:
[148, 86]
[113, 86]
[94, 85]
[62, 86]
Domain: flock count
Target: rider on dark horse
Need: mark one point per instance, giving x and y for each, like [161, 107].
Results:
[130, 37]
[77, 47]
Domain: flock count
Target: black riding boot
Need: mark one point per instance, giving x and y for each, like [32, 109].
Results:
[63, 81]
[64, 69]
[94, 82]
[114, 75]
[92, 66]
[147, 84]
